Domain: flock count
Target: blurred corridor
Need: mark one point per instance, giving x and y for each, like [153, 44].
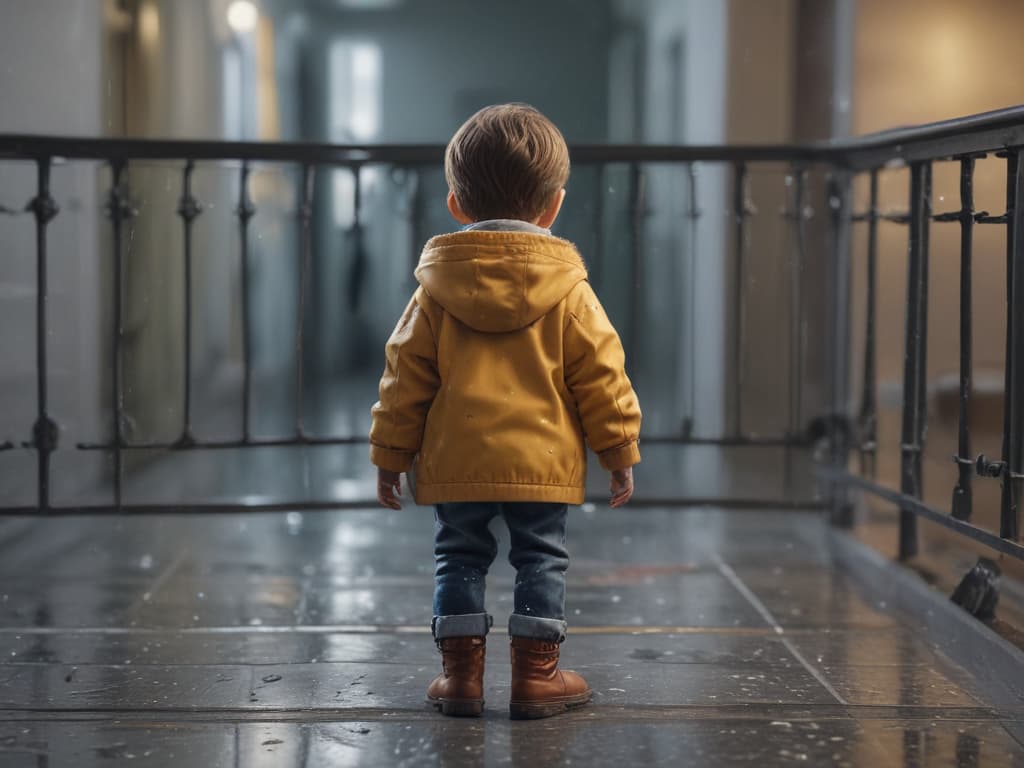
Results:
[209, 216]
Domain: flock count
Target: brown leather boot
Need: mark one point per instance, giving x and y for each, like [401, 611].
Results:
[459, 689]
[539, 688]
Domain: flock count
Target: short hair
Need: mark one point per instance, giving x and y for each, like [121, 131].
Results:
[506, 161]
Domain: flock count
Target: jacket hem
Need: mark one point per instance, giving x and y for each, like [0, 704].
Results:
[440, 493]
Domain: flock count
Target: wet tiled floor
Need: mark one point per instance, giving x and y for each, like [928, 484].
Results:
[710, 638]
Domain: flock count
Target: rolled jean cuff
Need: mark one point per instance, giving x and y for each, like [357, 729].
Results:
[537, 628]
[461, 625]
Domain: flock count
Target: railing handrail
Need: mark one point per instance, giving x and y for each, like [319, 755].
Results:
[33, 147]
[983, 132]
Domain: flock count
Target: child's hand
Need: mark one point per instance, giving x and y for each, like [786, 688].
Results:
[389, 488]
[622, 486]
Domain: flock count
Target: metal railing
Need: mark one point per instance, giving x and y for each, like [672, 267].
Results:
[961, 141]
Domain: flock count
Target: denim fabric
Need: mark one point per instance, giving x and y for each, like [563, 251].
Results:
[464, 549]
[463, 625]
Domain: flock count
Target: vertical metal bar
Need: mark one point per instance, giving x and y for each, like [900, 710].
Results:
[305, 257]
[44, 431]
[119, 210]
[962, 491]
[796, 319]
[838, 194]
[637, 184]
[692, 215]
[915, 359]
[188, 209]
[415, 220]
[740, 247]
[868, 421]
[245, 211]
[357, 273]
[596, 261]
[1013, 408]
[637, 288]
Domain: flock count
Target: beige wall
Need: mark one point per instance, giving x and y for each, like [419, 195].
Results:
[919, 61]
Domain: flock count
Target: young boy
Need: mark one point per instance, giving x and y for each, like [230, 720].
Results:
[502, 362]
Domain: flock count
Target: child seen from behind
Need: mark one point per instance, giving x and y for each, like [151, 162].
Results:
[501, 365]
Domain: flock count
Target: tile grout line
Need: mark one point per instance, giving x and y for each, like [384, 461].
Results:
[767, 615]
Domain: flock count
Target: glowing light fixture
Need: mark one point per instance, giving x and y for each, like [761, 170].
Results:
[243, 15]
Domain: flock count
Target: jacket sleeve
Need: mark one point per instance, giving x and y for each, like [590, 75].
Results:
[596, 377]
[407, 389]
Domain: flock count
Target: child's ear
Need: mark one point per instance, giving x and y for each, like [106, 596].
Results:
[456, 210]
[551, 213]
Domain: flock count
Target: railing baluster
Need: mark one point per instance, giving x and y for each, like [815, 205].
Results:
[798, 182]
[868, 420]
[838, 335]
[188, 209]
[638, 203]
[119, 210]
[965, 465]
[1013, 406]
[915, 358]
[595, 262]
[692, 216]
[245, 211]
[305, 257]
[357, 273]
[739, 249]
[44, 431]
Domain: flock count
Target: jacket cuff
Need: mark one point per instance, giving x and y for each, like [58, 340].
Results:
[620, 457]
[391, 459]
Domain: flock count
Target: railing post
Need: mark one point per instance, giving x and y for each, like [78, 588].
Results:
[119, 210]
[638, 210]
[797, 180]
[915, 371]
[739, 211]
[188, 209]
[44, 431]
[965, 465]
[692, 218]
[838, 193]
[305, 257]
[245, 211]
[1013, 408]
[868, 420]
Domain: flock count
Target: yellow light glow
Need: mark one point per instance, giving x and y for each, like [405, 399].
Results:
[242, 15]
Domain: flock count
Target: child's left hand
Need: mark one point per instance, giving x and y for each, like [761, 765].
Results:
[389, 488]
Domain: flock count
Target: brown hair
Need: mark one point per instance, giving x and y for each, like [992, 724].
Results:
[506, 161]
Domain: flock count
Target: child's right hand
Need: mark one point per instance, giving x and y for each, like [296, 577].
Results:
[621, 486]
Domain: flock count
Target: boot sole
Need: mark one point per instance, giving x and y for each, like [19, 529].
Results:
[457, 707]
[521, 710]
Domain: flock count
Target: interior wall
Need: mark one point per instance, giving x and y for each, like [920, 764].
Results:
[919, 61]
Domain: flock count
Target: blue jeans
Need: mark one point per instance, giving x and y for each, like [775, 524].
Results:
[464, 549]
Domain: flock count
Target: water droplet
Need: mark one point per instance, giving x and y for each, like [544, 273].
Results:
[146, 562]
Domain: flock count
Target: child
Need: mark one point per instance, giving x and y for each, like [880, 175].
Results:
[501, 363]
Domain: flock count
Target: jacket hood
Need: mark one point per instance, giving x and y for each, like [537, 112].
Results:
[498, 282]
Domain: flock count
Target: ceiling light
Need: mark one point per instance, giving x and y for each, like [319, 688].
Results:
[242, 16]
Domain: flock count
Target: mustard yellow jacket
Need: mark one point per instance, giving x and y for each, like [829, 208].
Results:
[501, 363]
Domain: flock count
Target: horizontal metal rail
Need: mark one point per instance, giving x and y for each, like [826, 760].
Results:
[963, 140]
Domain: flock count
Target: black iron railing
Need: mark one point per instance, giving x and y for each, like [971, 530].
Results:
[961, 141]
